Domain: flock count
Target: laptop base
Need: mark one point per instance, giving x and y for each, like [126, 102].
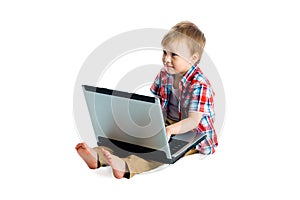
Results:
[124, 149]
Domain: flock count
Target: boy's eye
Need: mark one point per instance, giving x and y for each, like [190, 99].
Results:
[172, 54]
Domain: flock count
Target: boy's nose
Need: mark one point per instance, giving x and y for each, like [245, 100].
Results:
[167, 58]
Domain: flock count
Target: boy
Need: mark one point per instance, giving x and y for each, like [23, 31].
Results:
[186, 99]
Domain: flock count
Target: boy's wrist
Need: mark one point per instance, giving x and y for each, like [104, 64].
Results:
[172, 129]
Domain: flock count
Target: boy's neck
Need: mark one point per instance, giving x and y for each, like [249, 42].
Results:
[177, 79]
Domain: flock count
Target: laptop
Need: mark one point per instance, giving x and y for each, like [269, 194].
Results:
[133, 124]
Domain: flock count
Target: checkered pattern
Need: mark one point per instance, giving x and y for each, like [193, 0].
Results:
[195, 95]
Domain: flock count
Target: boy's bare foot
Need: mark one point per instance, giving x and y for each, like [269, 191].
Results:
[117, 164]
[87, 154]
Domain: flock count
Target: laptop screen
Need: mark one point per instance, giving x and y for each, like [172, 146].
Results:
[126, 117]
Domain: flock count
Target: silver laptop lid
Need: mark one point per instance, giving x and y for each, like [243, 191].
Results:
[127, 117]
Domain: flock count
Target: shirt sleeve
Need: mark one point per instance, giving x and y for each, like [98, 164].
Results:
[202, 99]
[155, 86]
[209, 144]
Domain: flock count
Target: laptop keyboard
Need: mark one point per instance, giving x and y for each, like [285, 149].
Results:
[175, 145]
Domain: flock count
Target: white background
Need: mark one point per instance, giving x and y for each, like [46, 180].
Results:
[255, 46]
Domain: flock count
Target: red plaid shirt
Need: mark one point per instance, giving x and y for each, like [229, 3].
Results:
[195, 95]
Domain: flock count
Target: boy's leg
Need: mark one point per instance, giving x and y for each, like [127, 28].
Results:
[191, 152]
[169, 122]
[133, 164]
[137, 165]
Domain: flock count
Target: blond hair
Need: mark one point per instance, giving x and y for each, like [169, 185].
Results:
[188, 32]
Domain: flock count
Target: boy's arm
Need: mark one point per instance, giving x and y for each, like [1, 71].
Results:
[184, 125]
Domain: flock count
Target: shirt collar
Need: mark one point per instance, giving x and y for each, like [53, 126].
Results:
[188, 75]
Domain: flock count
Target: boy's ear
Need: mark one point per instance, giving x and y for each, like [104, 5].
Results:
[195, 57]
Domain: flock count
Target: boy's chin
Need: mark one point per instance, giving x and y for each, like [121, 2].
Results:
[170, 70]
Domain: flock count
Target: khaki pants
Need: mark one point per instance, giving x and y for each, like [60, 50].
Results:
[135, 164]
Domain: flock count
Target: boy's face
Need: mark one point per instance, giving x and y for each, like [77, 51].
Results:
[177, 58]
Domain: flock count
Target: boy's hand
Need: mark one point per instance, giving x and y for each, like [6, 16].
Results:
[171, 130]
[184, 125]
